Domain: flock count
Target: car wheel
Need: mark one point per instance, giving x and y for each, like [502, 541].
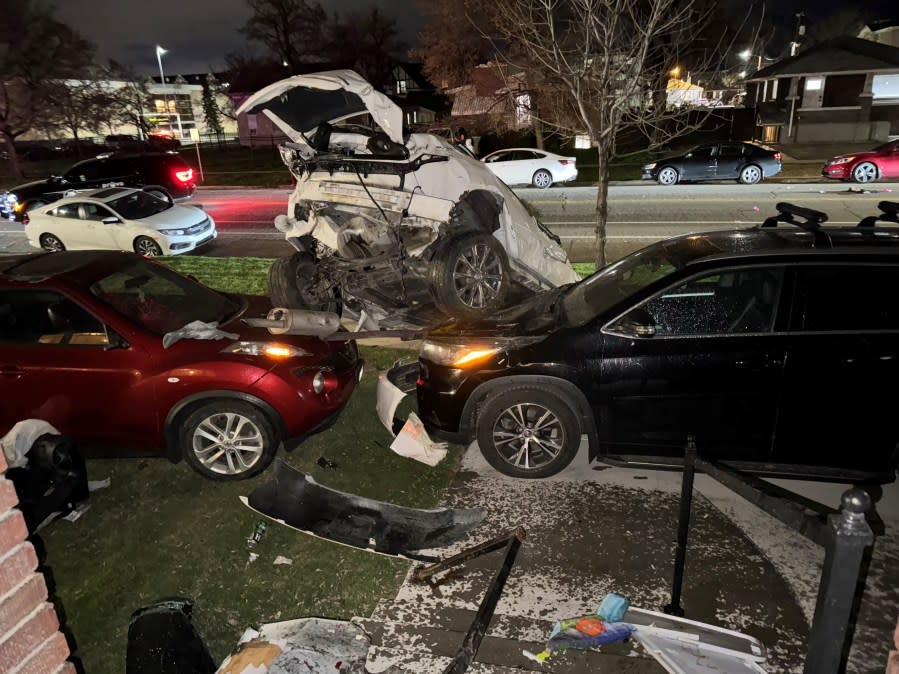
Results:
[144, 245]
[470, 275]
[228, 440]
[542, 179]
[864, 173]
[750, 175]
[296, 282]
[528, 431]
[52, 243]
[667, 176]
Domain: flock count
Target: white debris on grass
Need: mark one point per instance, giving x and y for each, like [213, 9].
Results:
[281, 560]
[94, 485]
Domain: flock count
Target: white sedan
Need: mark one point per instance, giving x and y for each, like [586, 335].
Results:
[119, 218]
[524, 166]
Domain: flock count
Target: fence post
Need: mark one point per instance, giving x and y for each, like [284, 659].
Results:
[847, 537]
[683, 527]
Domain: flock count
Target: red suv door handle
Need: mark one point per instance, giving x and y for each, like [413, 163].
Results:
[11, 371]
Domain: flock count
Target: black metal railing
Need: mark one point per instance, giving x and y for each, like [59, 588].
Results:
[844, 535]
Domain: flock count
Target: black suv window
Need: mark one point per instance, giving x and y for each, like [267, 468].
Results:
[84, 172]
[46, 317]
[731, 302]
[848, 297]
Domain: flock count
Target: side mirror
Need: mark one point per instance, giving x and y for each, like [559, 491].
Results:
[111, 220]
[636, 323]
[116, 341]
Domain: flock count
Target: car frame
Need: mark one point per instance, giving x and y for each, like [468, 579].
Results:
[89, 220]
[395, 230]
[95, 343]
[531, 166]
[716, 161]
[866, 166]
[776, 384]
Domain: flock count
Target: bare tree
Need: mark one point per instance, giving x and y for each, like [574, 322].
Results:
[127, 98]
[77, 105]
[35, 50]
[290, 29]
[603, 63]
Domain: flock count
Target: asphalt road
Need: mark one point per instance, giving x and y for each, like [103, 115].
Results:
[639, 212]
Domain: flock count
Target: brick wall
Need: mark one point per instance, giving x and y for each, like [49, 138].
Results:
[30, 640]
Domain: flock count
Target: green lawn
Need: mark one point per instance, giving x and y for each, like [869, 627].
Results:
[160, 530]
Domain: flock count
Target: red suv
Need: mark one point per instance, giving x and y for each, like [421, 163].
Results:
[81, 346]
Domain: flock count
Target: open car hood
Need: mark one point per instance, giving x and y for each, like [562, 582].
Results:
[297, 105]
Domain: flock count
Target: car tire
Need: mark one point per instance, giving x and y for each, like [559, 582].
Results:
[542, 179]
[209, 438]
[750, 174]
[144, 245]
[667, 175]
[470, 276]
[866, 172]
[51, 243]
[295, 282]
[500, 431]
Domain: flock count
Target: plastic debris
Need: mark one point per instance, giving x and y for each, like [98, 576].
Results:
[613, 607]
[280, 560]
[258, 533]
[94, 485]
[197, 330]
[253, 558]
[77, 512]
[414, 442]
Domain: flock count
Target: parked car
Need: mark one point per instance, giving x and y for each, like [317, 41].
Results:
[526, 166]
[865, 167]
[81, 347]
[389, 226]
[775, 345]
[747, 163]
[118, 218]
[162, 174]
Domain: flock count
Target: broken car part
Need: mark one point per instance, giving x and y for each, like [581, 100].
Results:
[401, 230]
[296, 500]
[163, 640]
[282, 321]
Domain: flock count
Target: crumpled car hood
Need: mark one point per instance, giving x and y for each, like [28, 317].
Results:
[297, 105]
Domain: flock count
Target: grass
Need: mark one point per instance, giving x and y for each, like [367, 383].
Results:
[160, 530]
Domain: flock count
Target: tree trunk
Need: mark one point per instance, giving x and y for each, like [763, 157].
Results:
[74, 131]
[13, 157]
[602, 205]
[538, 132]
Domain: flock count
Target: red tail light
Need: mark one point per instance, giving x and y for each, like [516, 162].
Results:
[777, 156]
[566, 162]
[185, 176]
[25, 219]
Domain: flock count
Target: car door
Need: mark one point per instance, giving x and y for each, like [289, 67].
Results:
[531, 162]
[62, 364]
[502, 166]
[889, 163]
[840, 399]
[706, 361]
[99, 234]
[64, 222]
[728, 161]
[699, 164]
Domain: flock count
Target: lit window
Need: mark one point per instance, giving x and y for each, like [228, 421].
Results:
[885, 86]
[814, 83]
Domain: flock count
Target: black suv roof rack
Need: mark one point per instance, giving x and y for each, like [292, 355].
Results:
[809, 220]
[889, 212]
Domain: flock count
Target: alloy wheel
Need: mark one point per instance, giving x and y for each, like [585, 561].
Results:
[543, 179]
[667, 176]
[228, 443]
[865, 173]
[478, 276]
[51, 243]
[751, 175]
[148, 247]
[528, 436]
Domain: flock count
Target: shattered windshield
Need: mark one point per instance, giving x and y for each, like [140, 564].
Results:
[137, 205]
[629, 275]
[160, 299]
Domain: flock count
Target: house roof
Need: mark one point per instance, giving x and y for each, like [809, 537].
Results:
[416, 73]
[467, 101]
[844, 54]
[881, 24]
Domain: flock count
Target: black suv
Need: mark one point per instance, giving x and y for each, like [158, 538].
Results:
[777, 346]
[163, 174]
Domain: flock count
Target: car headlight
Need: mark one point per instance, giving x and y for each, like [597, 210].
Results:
[841, 160]
[649, 167]
[172, 232]
[273, 350]
[457, 355]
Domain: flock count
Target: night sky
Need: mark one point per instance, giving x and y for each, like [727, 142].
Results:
[199, 33]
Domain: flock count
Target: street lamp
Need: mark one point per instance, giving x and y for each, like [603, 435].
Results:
[675, 72]
[746, 54]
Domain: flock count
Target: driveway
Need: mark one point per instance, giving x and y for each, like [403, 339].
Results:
[599, 529]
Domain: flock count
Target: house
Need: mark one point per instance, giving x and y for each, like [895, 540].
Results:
[843, 90]
[684, 93]
[422, 104]
[495, 97]
[884, 32]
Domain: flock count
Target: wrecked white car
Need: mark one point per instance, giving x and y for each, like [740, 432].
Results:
[397, 230]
